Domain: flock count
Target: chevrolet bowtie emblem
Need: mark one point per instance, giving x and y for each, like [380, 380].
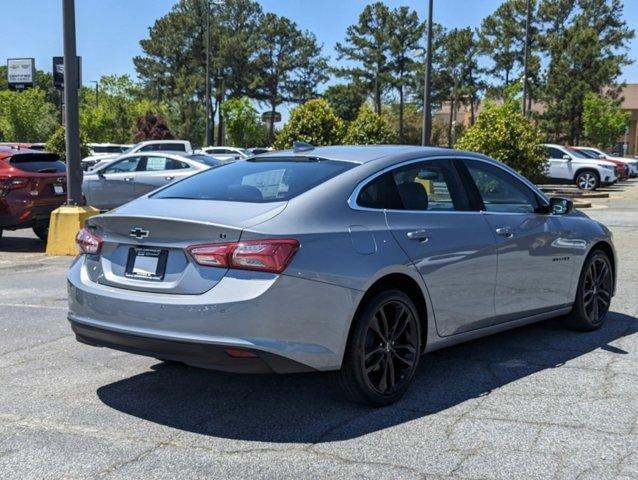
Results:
[139, 233]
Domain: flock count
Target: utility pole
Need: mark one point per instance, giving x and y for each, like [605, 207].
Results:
[526, 60]
[209, 137]
[74, 170]
[97, 92]
[427, 95]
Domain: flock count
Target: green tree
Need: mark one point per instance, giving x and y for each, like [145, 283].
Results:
[285, 62]
[603, 121]
[369, 128]
[314, 122]
[56, 143]
[366, 46]
[345, 100]
[406, 32]
[502, 132]
[243, 126]
[586, 43]
[26, 116]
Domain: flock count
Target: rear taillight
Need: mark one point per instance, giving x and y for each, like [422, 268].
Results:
[272, 255]
[89, 242]
[13, 183]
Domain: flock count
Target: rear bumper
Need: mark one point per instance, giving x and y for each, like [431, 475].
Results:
[14, 217]
[303, 321]
[202, 355]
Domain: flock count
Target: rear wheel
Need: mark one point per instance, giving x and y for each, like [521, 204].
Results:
[42, 231]
[383, 350]
[588, 180]
[594, 293]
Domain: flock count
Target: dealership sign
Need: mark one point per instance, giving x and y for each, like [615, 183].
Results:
[20, 73]
[271, 117]
[58, 72]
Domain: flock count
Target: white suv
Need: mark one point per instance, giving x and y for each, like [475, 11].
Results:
[569, 166]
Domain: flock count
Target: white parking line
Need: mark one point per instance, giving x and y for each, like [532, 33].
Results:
[28, 305]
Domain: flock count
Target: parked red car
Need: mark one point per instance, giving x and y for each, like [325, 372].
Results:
[32, 185]
[623, 168]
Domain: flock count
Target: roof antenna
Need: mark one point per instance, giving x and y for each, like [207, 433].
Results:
[298, 147]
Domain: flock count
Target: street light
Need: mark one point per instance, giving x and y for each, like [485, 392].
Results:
[427, 96]
[209, 136]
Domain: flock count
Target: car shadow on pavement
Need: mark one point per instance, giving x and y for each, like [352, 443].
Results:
[21, 244]
[308, 408]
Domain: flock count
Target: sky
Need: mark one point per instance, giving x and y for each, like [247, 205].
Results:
[109, 31]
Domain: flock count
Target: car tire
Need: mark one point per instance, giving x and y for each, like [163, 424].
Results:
[383, 350]
[587, 180]
[593, 297]
[42, 232]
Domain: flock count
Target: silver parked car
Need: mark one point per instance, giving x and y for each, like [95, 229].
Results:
[356, 259]
[130, 176]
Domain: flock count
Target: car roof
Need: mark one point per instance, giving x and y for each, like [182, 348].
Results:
[364, 153]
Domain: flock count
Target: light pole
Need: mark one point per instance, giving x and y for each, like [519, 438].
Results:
[427, 113]
[526, 59]
[74, 170]
[97, 92]
[209, 133]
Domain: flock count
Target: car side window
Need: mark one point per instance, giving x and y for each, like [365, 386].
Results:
[424, 186]
[500, 190]
[555, 153]
[172, 164]
[123, 166]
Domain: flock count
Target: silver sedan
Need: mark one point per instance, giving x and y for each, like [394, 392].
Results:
[130, 176]
[354, 259]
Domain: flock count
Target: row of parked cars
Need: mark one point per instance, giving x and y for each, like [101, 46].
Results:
[587, 167]
[33, 182]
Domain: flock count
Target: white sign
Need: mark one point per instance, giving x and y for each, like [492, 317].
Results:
[21, 71]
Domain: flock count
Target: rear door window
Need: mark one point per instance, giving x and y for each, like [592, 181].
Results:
[257, 181]
[432, 185]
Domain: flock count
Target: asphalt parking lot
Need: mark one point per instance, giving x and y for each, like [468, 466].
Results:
[536, 402]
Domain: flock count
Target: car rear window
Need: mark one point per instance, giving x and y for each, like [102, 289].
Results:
[38, 162]
[257, 180]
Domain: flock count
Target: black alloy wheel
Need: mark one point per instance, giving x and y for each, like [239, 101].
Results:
[595, 289]
[383, 351]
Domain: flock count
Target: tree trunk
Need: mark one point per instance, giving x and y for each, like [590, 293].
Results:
[472, 112]
[377, 96]
[271, 127]
[450, 126]
[401, 108]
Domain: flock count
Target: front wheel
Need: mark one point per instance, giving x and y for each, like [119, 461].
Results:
[383, 350]
[587, 180]
[42, 232]
[593, 297]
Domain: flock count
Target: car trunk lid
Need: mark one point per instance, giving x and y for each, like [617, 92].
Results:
[163, 229]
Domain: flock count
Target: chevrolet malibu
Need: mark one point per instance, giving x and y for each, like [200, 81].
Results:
[352, 259]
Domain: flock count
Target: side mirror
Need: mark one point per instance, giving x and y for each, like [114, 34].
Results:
[100, 173]
[567, 157]
[560, 206]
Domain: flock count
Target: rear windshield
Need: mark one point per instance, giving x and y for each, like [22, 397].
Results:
[107, 149]
[256, 180]
[38, 162]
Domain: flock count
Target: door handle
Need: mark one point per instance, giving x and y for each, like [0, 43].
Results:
[506, 232]
[418, 235]
[128, 179]
[168, 178]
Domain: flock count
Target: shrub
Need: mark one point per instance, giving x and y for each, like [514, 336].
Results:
[503, 133]
[369, 128]
[314, 122]
[57, 143]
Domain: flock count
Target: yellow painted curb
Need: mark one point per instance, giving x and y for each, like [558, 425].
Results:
[64, 225]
